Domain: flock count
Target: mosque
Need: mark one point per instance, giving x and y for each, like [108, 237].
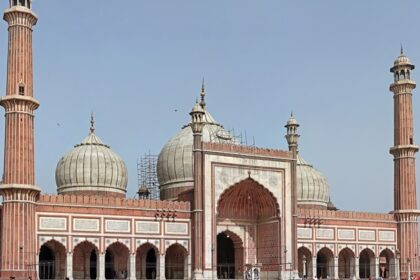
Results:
[226, 211]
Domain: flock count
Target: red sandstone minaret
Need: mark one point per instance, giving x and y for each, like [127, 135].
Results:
[197, 125]
[18, 241]
[404, 150]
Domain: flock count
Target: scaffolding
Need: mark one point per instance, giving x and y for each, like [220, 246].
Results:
[147, 175]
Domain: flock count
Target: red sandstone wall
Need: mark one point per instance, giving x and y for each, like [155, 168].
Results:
[268, 246]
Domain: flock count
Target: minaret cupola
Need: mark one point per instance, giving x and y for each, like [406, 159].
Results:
[22, 3]
[291, 135]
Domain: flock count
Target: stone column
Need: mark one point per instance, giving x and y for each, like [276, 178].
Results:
[314, 267]
[335, 276]
[162, 267]
[376, 275]
[133, 266]
[356, 267]
[397, 268]
[101, 266]
[69, 266]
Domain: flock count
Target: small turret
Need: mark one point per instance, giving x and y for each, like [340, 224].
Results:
[291, 135]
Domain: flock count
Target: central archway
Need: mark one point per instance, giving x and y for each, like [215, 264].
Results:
[252, 208]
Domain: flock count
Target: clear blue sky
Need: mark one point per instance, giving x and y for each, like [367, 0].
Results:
[133, 63]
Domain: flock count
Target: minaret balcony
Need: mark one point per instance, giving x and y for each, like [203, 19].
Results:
[404, 151]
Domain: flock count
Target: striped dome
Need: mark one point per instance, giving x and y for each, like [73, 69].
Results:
[91, 167]
[312, 186]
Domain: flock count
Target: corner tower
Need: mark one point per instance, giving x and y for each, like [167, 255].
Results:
[404, 150]
[18, 241]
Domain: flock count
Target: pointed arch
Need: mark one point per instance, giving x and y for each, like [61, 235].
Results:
[52, 260]
[176, 262]
[366, 263]
[85, 260]
[247, 199]
[386, 264]
[325, 263]
[116, 260]
[346, 263]
[147, 261]
[305, 265]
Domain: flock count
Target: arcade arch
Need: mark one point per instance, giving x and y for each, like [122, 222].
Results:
[386, 264]
[52, 260]
[147, 262]
[305, 262]
[85, 261]
[116, 261]
[176, 258]
[325, 263]
[366, 263]
[346, 263]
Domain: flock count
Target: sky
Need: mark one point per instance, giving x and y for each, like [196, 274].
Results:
[138, 65]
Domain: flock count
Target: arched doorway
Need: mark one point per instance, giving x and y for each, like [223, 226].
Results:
[85, 261]
[346, 263]
[253, 209]
[386, 270]
[304, 262]
[52, 260]
[46, 263]
[366, 263]
[116, 261]
[325, 263]
[225, 256]
[175, 262]
[147, 262]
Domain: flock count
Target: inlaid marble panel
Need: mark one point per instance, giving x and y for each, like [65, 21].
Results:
[52, 223]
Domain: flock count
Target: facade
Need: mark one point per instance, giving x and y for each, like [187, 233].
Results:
[227, 211]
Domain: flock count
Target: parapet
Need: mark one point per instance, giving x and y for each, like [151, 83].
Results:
[114, 202]
[250, 150]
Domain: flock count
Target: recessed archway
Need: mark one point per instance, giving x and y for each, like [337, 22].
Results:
[147, 257]
[176, 262]
[386, 270]
[366, 263]
[346, 263]
[325, 263]
[304, 262]
[116, 261]
[85, 261]
[52, 260]
[251, 206]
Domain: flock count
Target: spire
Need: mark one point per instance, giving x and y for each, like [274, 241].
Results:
[203, 95]
[402, 50]
[92, 123]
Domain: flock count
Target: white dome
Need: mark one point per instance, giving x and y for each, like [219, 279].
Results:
[312, 186]
[175, 162]
[91, 167]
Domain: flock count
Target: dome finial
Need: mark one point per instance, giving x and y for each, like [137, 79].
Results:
[92, 123]
[203, 95]
[402, 50]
